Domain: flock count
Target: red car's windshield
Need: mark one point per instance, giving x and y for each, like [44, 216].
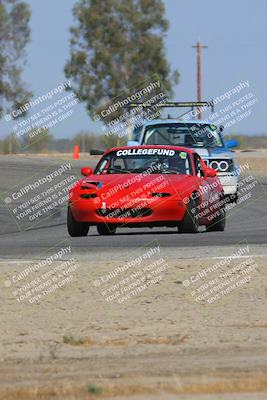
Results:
[157, 161]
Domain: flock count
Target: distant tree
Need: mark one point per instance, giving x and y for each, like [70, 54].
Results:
[112, 141]
[14, 36]
[37, 141]
[115, 45]
[10, 145]
[85, 140]
[62, 145]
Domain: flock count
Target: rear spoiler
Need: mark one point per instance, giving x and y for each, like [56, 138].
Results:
[175, 104]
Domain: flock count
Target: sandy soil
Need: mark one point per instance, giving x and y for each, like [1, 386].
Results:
[158, 344]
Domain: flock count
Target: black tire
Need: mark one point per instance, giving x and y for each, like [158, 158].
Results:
[106, 229]
[235, 199]
[232, 198]
[218, 224]
[75, 228]
[190, 223]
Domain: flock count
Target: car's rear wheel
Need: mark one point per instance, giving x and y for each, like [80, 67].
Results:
[76, 228]
[218, 224]
[106, 229]
[190, 222]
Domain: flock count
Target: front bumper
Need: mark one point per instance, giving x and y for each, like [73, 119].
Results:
[143, 211]
[229, 183]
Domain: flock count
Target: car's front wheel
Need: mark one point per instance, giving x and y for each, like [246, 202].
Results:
[232, 198]
[76, 228]
[190, 222]
[218, 224]
[106, 229]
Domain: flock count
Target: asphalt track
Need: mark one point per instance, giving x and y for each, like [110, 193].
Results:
[246, 222]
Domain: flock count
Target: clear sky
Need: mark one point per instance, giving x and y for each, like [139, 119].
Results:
[234, 31]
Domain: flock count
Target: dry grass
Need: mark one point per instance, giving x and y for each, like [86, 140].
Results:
[87, 341]
[251, 384]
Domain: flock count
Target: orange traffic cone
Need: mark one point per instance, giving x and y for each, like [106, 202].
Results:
[76, 152]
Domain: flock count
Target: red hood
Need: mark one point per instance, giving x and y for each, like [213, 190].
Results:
[119, 185]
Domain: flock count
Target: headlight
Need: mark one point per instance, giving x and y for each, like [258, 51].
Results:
[223, 166]
[214, 165]
[220, 165]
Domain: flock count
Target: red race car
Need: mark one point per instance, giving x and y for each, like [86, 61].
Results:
[147, 186]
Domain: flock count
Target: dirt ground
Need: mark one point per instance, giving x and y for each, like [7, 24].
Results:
[161, 343]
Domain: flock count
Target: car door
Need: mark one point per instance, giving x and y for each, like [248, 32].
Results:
[204, 190]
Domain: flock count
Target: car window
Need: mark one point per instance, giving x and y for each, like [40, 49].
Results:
[136, 132]
[161, 161]
[183, 134]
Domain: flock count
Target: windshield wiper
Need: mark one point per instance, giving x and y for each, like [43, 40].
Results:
[169, 171]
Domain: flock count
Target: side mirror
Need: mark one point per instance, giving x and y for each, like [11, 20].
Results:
[210, 172]
[221, 128]
[231, 143]
[86, 171]
[132, 143]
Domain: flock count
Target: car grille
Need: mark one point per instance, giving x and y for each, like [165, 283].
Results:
[124, 213]
[88, 196]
